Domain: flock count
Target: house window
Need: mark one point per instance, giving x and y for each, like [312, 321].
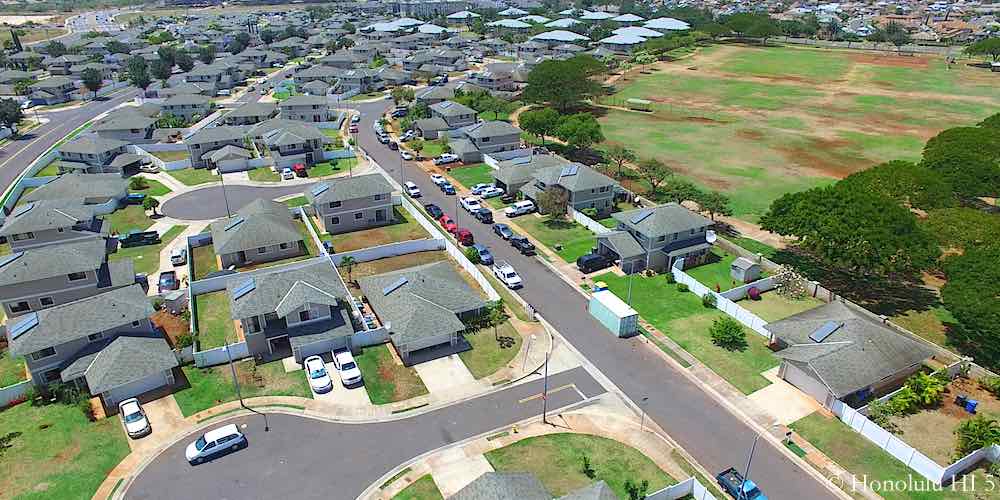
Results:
[334, 204]
[334, 221]
[93, 337]
[378, 197]
[52, 376]
[358, 215]
[20, 307]
[46, 301]
[283, 246]
[135, 324]
[661, 238]
[304, 315]
[486, 139]
[60, 229]
[261, 250]
[77, 276]
[48, 352]
[24, 236]
[673, 237]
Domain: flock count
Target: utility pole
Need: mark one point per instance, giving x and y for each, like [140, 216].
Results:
[236, 384]
[222, 179]
[545, 392]
[642, 408]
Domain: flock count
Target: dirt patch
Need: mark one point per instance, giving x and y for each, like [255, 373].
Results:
[931, 431]
[890, 60]
[750, 134]
[172, 326]
[823, 156]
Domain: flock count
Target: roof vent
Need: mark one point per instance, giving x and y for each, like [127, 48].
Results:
[28, 322]
[641, 216]
[824, 331]
[395, 284]
[246, 287]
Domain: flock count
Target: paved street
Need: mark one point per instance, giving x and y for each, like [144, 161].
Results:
[338, 461]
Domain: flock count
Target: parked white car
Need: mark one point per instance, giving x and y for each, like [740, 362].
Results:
[519, 208]
[406, 155]
[316, 372]
[478, 188]
[412, 189]
[350, 374]
[445, 159]
[506, 274]
[149, 168]
[471, 204]
[215, 442]
[134, 418]
[287, 174]
[438, 179]
[491, 192]
[179, 256]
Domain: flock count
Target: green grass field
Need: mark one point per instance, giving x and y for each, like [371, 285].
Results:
[194, 176]
[421, 489]
[487, 355]
[153, 188]
[129, 218]
[572, 239]
[757, 122]
[215, 326]
[473, 174]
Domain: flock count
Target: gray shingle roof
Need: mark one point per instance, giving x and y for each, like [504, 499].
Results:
[274, 287]
[304, 100]
[124, 120]
[75, 320]
[584, 179]
[265, 223]
[350, 188]
[597, 491]
[187, 100]
[52, 260]
[520, 170]
[623, 243]
[253, 109]
[46, 214]
[491, 129]
[859, 354]
[80, 186]
[503, 486]
[663, 220]
[451, 108]
[128, 359]
[216, 134]
[426, 305]
[91, 145]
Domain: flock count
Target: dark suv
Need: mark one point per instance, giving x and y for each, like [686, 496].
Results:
[484, 216]
[522, 244]
[592, 262]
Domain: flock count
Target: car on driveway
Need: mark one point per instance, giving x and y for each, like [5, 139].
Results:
[522, 244]
[287, 174]
[519, 208]
[503, 230]
[434, 210]
[355, 118]
[485, 257]
[478, 188]
[300, 170]
[448, 224]
[134, 418]
[491, 192]
[593, 262]
[404, 154]
[316, 372]
[470, 204]
[349, 372]
[168, 281]
[353, 129]
[438, 179]
[215, 442]
[445, 159]
[179, 256]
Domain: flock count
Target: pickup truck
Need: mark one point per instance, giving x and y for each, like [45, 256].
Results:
[506, 274]
[741, 489]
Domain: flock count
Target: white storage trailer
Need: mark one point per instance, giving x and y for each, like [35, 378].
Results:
[614, 313]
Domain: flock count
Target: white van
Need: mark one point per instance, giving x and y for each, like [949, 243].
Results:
[519, 208]
[412, 189]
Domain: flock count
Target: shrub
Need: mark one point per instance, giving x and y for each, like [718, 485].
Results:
[472, 255]
[708, 300]
[86, 408]
[929, 389]
[185, 340]
[137, 183]
[586, 468]
[975, 433]
[905, 401]
[991, 384]
[728, 334]
[670, 278]
[590, 212]
[681, 287]
[880, 412]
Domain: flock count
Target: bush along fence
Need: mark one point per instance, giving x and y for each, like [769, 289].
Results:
[15, 393]
[737, 312]
[591, 224]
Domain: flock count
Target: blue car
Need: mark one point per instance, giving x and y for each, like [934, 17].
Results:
[485, 257]
[447, 188]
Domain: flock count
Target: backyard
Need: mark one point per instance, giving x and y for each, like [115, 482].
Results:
[387, 264]
[213, 386]
[215, 325]
[204, 261]
[757, 122]
[169, 156]
[488, 355]
[193, 176]
[473, 174]
[128, 218]
[565, 237]
[555, 459]
[682, 317]
[774, 306]
[56, 452]
[153, 188]
[714, 273]
[12, 369]
[386, 380]
[405, 229]
[146, 259]
[328, 168]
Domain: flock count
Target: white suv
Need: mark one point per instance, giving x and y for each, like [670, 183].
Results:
[319, 379]
[471, 204]
[214, 443]
[350, 374]
[519, 208]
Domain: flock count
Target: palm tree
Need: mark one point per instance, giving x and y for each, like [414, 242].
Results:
[496, 315]
[348, 262]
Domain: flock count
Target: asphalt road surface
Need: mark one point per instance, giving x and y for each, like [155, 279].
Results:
[304, 458]
[710, 432]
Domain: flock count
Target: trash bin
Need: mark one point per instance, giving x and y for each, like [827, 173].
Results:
[960, 399]
[970, 405]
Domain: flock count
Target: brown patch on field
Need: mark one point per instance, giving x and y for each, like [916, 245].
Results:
[890, 60]
[67, 455]
[822, 156]
[172, 326]
[750, 134]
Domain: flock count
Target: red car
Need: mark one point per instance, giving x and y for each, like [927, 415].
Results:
[300, 170]
[448, 224]
[464, 236]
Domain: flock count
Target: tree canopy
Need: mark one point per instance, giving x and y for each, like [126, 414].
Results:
[580, 131]
[905, 182]
[971, 297]
[986, 47]
[968, 158]
[563, 84]
[540, 122]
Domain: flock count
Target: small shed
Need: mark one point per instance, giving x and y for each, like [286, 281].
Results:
[744, 270]
[639, 104]
[614, 313]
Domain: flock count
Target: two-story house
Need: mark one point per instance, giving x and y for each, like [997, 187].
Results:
[107, 191]
[484, 138]
[361, 80]
[343, 60]
[53, 90]
[298, 309]
[104, 344]
[95, 155]
[62, 64]
[305, 108]
[251, 113]
[261, 231]
[289, 142]
[219, 75]
[352, 203]
[48, 222]
[655, 238]
[293, 46]
[41, 277]
[326, 74]
[126, 124]
[585, 187]
[207, 140]
[188, 106]
[445, 115]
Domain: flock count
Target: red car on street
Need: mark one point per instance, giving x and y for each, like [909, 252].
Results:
[448, 224]
[464, 236]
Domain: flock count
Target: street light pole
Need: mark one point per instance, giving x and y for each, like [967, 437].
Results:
[545, 392]
[746, 474]
[642, 408]
[527, 351]
[222, 179]
[239, 395]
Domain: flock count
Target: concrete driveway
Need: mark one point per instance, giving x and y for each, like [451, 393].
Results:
[783, 401]
[445, 375]
[166, 420]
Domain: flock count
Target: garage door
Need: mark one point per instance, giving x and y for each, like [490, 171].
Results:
[806, 383]
[133, 389]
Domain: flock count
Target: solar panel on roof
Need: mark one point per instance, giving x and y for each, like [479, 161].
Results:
[21, 210]
[246, 287]
[320, 189]
[446, 104]
[28, 322]
[825, 331]
[7, 259]
[394, 285]
[641, 216]
[235, 222]
[569, 170]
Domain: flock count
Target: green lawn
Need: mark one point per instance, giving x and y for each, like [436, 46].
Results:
[204, 261]
[215, 325]
[213, 386]
[194, 176]
[50, 170]
[773, 306]
[432, 149]
[683, 318]
[367, 96]
[169, 156]
[298, 201]
[146, 259]
[931, 324]
[11, 369]
[555, 459]
[59, 454]
[332, 133]
[264, 174]
[385, 380]
[421, 489]
[567, 238]
[488, 355]
[716, 271]
[153, 188]
[405, 229]
[129, 218]
[754, 246]
[331, 167]
[473, 174]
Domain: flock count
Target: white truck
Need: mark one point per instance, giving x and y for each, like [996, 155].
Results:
[506, 274]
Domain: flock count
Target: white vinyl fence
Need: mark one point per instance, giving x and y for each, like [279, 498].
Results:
[591, 224]
[218, 355]
[389, 250]
[734, 310]
[13, 392]
[688, 488]
[146, 151]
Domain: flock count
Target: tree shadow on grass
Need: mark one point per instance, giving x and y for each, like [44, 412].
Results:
[887, 296]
